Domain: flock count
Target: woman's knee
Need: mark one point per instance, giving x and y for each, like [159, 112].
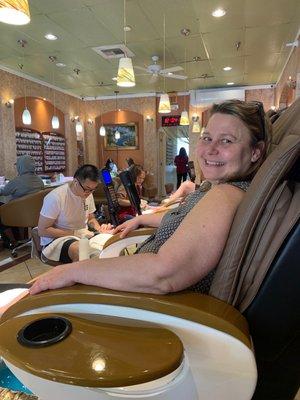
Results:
[73, 251]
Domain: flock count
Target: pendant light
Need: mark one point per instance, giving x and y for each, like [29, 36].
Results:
[102, 130]
[78, 124]
[54, 120]
[117, 133]
[164, 106]
[78, 127]
[26, 116]
[196, 126]
[125, 77]
[14, 12]
[184, 118]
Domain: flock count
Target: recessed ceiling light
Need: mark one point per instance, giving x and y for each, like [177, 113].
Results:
[114, 78]
[60, 65]
[230, 83]
[227, 68]
[50, 36]
[219, 12]
[170, 73]
[127, 28]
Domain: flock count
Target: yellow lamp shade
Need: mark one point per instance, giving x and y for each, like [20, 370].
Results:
[184, 118]
[125, 77]
[164, 104]
[196, 127]
[14, 12]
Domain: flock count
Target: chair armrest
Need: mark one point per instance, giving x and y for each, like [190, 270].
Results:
[114, 245]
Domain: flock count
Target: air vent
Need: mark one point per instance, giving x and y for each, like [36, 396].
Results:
[113, 51]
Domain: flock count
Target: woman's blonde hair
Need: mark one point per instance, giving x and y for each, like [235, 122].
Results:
[254, 118]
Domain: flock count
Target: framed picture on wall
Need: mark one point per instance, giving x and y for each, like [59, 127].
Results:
[121, 136]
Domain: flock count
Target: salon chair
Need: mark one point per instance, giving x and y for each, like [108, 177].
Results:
[23, 212]
[259, 271]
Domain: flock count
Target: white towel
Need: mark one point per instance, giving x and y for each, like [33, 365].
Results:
[52, 251]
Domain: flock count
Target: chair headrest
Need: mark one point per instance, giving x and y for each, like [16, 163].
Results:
[287, 123]
[269, 177]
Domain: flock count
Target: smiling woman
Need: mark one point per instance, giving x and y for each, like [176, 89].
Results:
[189, 240]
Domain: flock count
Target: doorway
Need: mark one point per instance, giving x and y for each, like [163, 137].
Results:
[171, 140]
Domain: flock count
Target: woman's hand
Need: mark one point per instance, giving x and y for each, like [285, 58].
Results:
[144, 204]
[58, 277]
[106, 228]
[127, 227]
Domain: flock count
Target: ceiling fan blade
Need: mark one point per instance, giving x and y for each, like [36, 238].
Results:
[140, 68]
[203, 76]
[171, 69]
[172, 76]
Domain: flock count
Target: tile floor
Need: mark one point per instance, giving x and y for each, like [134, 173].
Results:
[22, 272]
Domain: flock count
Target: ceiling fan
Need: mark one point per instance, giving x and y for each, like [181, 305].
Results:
[155, 70]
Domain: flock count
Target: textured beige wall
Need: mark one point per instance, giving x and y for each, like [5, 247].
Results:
[266, 96]
[143, 106]
[292, 68]
[12, 87]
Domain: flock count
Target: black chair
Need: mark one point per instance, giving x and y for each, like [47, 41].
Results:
[112, 201]
[133, 196]
[274, 323]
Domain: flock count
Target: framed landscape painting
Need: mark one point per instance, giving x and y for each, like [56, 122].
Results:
[121, 136]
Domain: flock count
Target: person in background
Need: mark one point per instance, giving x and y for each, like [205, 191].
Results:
[27, 180]
[112, 167]
[65, 214]
[127, 211]
[25, 183]
[130, 161]
[181, 162]
[189, 241]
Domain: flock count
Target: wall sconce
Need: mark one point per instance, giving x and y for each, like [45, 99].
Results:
[78, 125]
[90, 121]
[9, 103]
[149, 118]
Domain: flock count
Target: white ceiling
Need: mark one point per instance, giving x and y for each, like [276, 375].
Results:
[262, 27]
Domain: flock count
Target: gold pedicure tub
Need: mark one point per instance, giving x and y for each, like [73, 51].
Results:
[108, 344]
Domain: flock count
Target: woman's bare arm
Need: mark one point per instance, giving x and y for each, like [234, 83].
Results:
[46, 228]
[184, 189]
[151, 220]
[192, 251]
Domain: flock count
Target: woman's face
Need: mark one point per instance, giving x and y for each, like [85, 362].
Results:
[140, 178]
[224, 150]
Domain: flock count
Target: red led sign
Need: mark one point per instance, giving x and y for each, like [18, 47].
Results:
[170, 120]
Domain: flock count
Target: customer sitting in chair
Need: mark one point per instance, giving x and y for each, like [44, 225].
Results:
[25, 183]
[127, 211]
[65, 214]
[189, 240]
